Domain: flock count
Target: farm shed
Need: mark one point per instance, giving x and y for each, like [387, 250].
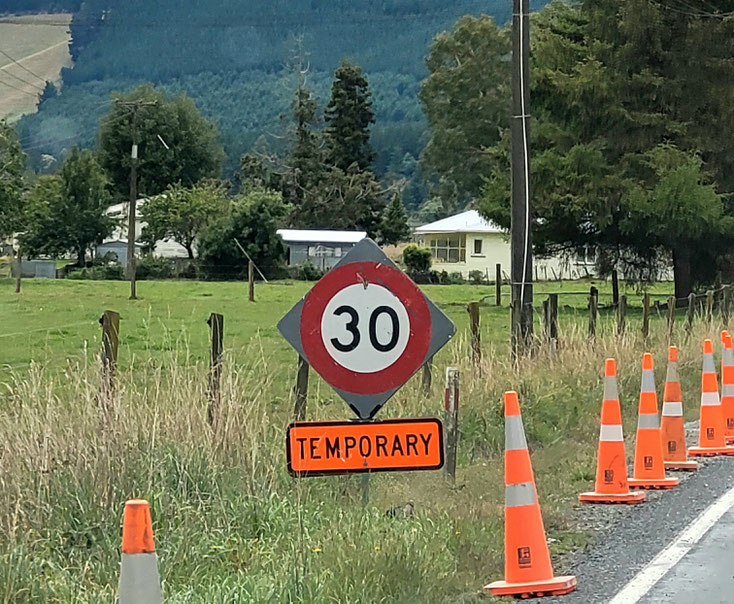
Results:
[322, 248]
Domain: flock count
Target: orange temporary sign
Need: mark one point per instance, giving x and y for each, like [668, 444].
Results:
[323, 448]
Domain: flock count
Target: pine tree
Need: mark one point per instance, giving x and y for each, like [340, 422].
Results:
[394, 226]
[306, 163]
[349, 116]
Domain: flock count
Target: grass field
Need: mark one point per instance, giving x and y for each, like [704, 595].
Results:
[230, 523]
[40, 44]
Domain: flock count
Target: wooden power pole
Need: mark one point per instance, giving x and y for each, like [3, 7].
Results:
[522, 242]
[135, 107]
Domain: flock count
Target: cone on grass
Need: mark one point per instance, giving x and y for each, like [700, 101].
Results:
[611, 485]
[727, 386]
[711, 438]
[649, 470]
[139, 580]
[672, 428]
[528, 570]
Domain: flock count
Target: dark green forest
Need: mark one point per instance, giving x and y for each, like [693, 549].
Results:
[240, 61]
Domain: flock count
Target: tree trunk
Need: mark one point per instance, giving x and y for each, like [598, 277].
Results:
[81, 256]
[190, 250]
[682, 270]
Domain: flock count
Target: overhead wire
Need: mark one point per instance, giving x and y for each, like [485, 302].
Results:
[12, 75]
[18, 89]
[23, 67]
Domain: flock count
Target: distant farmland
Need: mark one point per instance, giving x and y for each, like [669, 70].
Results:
[40, 44]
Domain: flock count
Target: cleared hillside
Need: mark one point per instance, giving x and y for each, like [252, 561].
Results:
[33, 50]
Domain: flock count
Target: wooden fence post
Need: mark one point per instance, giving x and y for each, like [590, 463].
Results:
[615, 288]
[691, 312]
[110, 322]
[593, 310]
[300, 390]
[498, 285]
[646, 315]
[427, 377]
[476, 347]
[621, 315]
[671, 318]
[451, 423]
[709, 306]
[725, 306]
[216, 332]
[251, 280]
[19, 268]
[554, 319]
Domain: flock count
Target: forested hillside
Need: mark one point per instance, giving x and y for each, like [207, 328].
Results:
[238, 58]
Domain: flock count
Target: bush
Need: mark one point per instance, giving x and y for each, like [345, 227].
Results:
[455, 278]
[107, 272]
[476, 277]
[417, 259]
[150, 267]
[306, 272]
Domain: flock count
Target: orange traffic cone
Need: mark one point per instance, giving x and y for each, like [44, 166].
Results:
[711, 439]
[727, 387]
[611, 462]
[528, 570]
[649, 469]
[672, 429]
[139, 580]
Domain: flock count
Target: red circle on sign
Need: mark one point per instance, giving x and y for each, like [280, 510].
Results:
[411, 298]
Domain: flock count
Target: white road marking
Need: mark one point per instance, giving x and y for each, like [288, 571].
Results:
[646, 579]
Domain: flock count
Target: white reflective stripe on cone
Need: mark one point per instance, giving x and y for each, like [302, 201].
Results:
[611, 393]
[519, 494]
[648, 421]
[611, 434]
[514, 433]
[648, 381]
[708, 363]
[727, 390]
[139, 579]
[710, 399]
[672, 409]
[672, 374]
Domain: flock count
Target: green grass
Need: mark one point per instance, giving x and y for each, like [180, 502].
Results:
[230, 524]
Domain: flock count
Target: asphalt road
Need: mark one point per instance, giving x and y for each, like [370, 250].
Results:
[626, 538]
[705, 574]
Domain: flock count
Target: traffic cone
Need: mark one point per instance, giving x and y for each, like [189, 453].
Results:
[727, 387]
[611, 462]
[139, 580]
[711, 439]
[528, 570]
[672, 430]
[649, 468]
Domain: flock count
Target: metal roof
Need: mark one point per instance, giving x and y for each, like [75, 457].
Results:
[470, 221]
[319, 236]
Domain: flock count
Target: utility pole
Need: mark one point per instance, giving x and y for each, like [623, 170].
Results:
[135, 107]
[521, 233]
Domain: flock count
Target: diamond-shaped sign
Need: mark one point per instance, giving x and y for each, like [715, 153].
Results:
[366, 328]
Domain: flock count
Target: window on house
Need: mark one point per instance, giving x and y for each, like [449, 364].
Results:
[449, 249]
[478, 247]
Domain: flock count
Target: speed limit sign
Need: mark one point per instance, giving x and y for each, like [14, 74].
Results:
[366, 328]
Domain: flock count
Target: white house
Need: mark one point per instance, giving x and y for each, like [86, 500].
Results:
[117, 241]
[322, 248]
[468, 242]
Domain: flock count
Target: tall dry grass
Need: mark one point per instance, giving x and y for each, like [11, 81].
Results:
[231, 525]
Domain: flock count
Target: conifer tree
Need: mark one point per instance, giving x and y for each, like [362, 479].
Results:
[349, 116]
[394, 226]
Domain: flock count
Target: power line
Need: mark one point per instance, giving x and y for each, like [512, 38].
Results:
[18, 89]
[12, 75]
[23, 67]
